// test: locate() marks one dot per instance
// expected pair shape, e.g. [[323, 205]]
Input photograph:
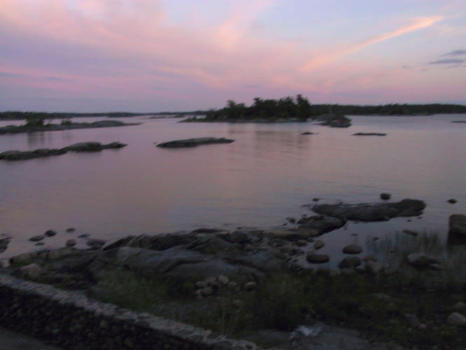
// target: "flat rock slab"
[[194, 142], [45, 152], [372, 211], [370, 134], [17, 129]]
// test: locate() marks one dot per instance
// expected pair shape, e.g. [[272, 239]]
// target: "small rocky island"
[[37, 124], [194, 142], [47, 152], [283, 110]]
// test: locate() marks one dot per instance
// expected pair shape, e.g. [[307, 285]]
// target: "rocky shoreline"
[[251, 273]]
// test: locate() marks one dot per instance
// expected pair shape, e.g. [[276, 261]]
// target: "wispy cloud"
[[456, 53], [418, 24], [449, 61]]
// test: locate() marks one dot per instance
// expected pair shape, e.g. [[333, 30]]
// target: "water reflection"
[[260, 179]]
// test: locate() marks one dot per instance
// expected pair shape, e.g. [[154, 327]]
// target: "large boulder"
[[372, 211], [194, 142], [457, 231], [176, 262]]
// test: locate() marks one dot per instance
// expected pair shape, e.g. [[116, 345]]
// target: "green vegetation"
[[377, 305], [300, 109], [267, 110]]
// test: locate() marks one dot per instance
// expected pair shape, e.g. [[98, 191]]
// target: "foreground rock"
[[4, 242], [370, 134], [372, 211], [457, 229], [423, 261], [16, 129], [352, 249], [45, 152], [194, 142]]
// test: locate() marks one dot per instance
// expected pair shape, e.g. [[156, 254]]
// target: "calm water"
[[266, 175]]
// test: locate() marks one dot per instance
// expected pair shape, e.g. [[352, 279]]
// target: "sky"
[[175, 55]]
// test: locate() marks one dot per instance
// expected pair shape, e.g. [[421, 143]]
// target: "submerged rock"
[[372, 211], [194, 142]]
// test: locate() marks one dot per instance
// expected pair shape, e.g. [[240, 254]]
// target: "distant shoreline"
[[352, 110]]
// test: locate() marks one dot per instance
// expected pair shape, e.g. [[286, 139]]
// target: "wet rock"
[[194, 142], [92, 146], [319, 244], [41, 153], [37, 238], [314, 258], [352, 249], [95, 243], [4, 242], [370, 134], [307, 133], [315, 199], [84, 235], [372, 211], [349, 262], [385, 196], [50, 233], [421, 260], [291, 220], [70, 229], [457, 319], [321, 224], [70, 243], [452, 201]]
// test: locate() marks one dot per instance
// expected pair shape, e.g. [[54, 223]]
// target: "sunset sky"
[[156, 55]]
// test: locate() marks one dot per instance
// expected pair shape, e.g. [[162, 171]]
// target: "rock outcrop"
[[371, 211], [194, 142], [45, 152]]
